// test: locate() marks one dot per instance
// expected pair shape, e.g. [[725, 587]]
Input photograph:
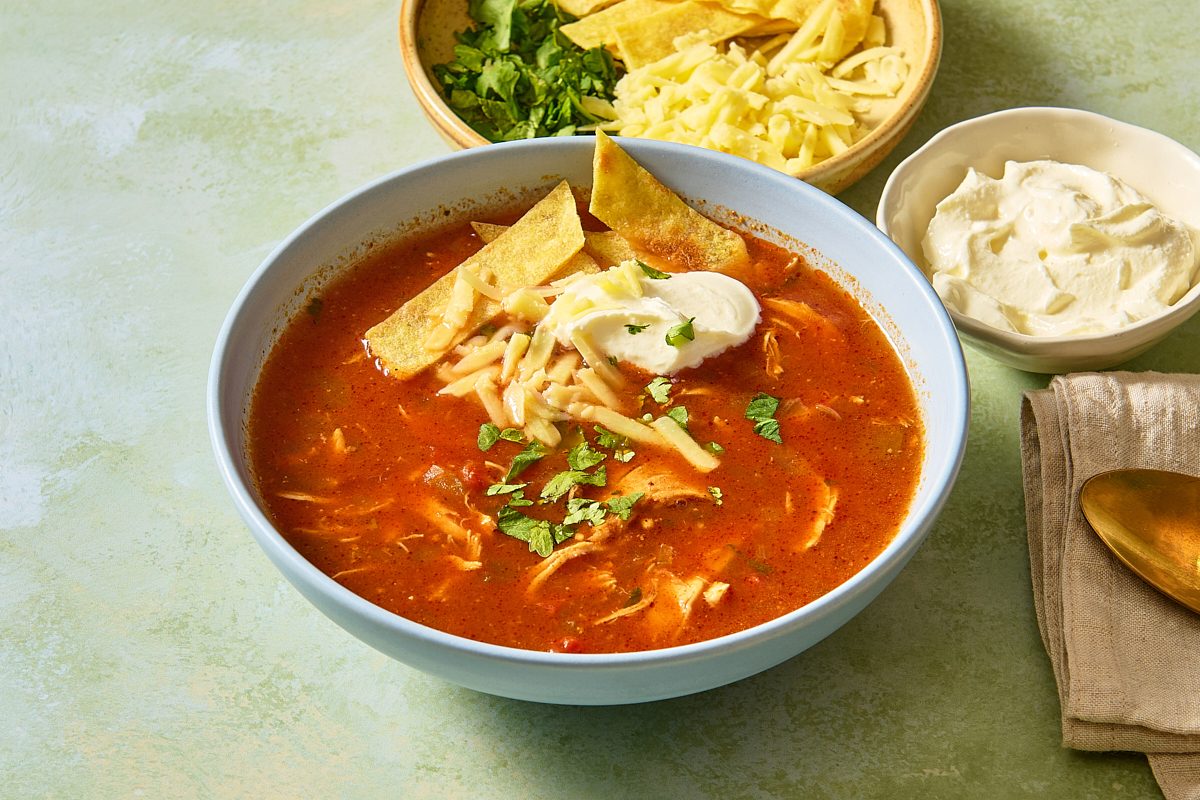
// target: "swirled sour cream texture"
[[626, 314], [1056, 249]]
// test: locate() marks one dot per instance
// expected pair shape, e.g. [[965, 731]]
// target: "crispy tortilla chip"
[[646, 40], [598, 30], [632, 202], [581, 8], [605, 247], [531, 252], [580, 262]]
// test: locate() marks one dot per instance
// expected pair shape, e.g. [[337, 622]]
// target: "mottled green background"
[[151, 154]]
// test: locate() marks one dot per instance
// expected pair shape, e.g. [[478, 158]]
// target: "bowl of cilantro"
[[500, 70]]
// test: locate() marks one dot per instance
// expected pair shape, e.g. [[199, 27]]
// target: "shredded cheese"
[[678, 438], [786, 103]]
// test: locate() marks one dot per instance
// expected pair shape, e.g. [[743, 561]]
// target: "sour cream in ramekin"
[[1055, 249]]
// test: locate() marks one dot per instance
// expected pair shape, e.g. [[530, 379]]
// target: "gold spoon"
[[1151, 520]]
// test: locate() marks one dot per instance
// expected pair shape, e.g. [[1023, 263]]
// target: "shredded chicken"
[[647, 599], [660, 486], [774, 359], [824, 516], [553, 562]]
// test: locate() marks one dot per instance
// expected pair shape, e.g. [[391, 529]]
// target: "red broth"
[[380, 483]]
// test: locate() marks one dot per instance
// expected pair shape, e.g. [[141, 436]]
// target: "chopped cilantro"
[[761, 411], [714, 448], [561, 483], [653, 273], [762, 405], [659, 389], [613, 360], [623, 506], [606, 438], [584, 456], [768, 429], [680, 415], [618, 444], [517, 498], [717, 495], [581, 509], [504, 488], [533, 452], [540, 534], [683, 332], [634, 330], [516, 76], [634, 597], [489, 434]]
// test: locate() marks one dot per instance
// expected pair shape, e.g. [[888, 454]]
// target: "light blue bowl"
[[847, 246]]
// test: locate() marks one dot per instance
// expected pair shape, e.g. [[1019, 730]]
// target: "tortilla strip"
[[597, 30], [606, 247], [632, 202], [531, 252], [646, 40], [582, 8]]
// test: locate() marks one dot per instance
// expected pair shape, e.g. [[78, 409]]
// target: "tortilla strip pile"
[[640, 32], [548, 242]]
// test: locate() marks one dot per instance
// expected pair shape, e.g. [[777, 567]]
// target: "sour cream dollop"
[[627, 314], [1056, 249]]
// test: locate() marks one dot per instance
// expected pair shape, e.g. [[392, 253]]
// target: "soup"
[[622, 509]]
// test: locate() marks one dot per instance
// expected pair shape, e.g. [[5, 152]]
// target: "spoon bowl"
[[1151, 520]]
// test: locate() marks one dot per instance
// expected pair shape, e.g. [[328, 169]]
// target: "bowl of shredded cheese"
[[818, 89]]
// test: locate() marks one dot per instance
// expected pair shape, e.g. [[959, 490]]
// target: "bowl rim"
[[455, 129], [1121, 338], [912, 533]]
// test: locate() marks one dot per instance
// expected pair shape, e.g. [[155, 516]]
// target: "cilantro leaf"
[[653, 273], [768, 429], [504, 488], [618, 444], [636, 329], [717, 495], [606, 438], [561, 483], [517, 499], [680, 415], [540, 534], [584, 456], [762, 406], [533, 452], [489, 434], [659, 389], [623, 506], [634, 597], [714, 448], [682, 333], [761, 410], [581, 509]]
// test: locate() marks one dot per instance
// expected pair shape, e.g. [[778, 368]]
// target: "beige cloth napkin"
[[1126, 659]]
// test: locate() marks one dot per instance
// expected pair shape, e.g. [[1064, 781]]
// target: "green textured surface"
[[150, 156]]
